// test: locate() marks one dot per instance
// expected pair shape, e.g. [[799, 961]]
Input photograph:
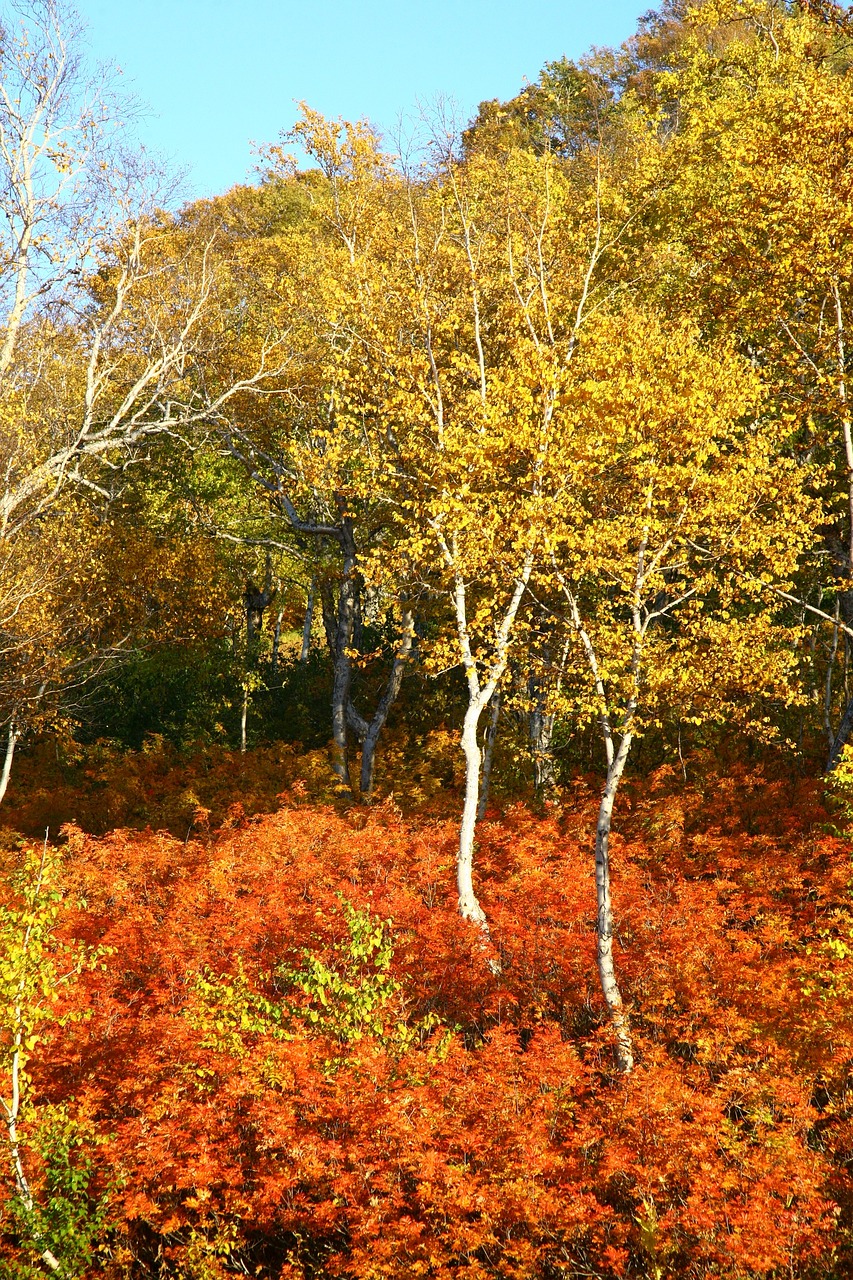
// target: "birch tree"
[[675, 498], [459, 312], [109, 310]]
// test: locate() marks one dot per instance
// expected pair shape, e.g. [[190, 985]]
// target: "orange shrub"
[[282, 1096]]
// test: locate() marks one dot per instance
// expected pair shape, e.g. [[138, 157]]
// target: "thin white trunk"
[[479, 697], [276, 643], [309, 620], [616, 760], [469, 905], [244, 717], [11, 743], [604, 918]]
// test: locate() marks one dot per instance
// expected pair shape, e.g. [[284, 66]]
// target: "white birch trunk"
[[469, 905], [11, 743], [479, 696], [616, 761], [309, 621], [604, 916]]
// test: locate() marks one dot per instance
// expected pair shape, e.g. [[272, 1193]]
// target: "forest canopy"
[[426, 605]]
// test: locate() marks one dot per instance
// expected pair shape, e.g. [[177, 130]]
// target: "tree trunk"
[[329, 611], [604, 917], [844, 731], [830, 669], [543, 688], [244, 717], [479, 696], [309, 620], [469, 906], [276, 642], [11, 742], [389, 696], [255, 602], [489, 755], [541, 737], [342, 678]]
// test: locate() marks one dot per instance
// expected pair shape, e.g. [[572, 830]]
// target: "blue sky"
[[216, 76]]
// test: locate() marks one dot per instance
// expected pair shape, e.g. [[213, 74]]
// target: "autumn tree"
[[107, 313], [460, 306], [526, 424], [306, 471], [674, 498], [753, 102]]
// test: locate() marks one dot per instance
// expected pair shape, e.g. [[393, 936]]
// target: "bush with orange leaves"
[[300, 1064]]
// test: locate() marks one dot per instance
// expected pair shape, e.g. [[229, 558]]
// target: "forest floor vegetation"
[[284, 1054]]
